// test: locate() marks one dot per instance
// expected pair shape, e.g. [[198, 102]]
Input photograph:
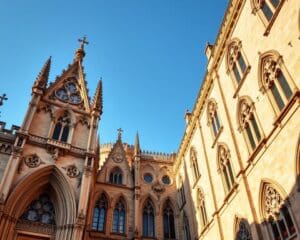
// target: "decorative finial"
[[137, 149], [2, 99], [120, 130], [79, 54], [83, 41]]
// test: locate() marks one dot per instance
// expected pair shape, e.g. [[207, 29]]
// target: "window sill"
[[239, 85], [217, 137], [196, 181], [295, 97], [119, 234], [257, 149], [231, 192]]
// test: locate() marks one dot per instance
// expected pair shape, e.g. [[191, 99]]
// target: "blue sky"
[[150, 54]]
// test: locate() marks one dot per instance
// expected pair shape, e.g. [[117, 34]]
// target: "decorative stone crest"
[[233, 53], [158, 188], [32, 161], [72, 171], [224, 156], [246, 114], [118, 155], [272, 202], [270, 71], [212, 108]]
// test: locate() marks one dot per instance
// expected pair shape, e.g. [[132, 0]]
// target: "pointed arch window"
[[194, 164], [280, 222], [168, 221], [148, 219], [62, 128], [119, 217], [267, 11], [248, 123], [275, 80], [186, 227], [225, 168], [116, 176], [243, 230], [100, 212], [202, 209], [181, 193], [41, 210], [213, 118], [237, 63]]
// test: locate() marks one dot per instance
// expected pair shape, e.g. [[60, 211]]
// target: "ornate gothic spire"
[[97, 102], [42, 78], [137, 149]]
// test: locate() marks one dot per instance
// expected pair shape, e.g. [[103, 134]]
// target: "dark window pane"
[[283, 229], [277, 97], [145, 224], [120, 179], [285, 86], [217, 121], [242, 63], [226, 179], [250, 137], [275, 3], [65, 133], [275, 231], [214, 127], [166, 226], [236, 74], [267, 11], [230, 173], [56, 131], [151, 225], [256, 130], [288, 220], [111, 178]]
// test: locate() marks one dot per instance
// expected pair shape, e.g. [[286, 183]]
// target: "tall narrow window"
[[277, 213], [181, 193], [148, 219], [119, 217], [61, 128], [225, 167], [202, 209], [213, 118], [194, 164], [168, 221], [275, 80], [186, 227], [243, 231], [236, 62], [100, 210], [248, 123], [116, 176]]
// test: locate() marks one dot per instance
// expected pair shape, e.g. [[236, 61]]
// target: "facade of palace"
[[236, 172]]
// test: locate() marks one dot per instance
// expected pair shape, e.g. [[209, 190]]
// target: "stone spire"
[[80, 53], [42, 78], [137, 149], [97, 102]]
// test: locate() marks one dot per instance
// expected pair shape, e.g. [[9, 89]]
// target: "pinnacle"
[[97, 102], [137, 149], [42, 78]]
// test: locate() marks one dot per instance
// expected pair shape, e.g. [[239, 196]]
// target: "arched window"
[[194, 164], [277, 213], [242, 231], [202, 208], [61, 128], [181, 192], [225, 167], [213, 118], [116, 176], [275, 79], [168, 221], [119, 217], [41, 210], [267, 11], [100, 211], [248, 123], [186, 227], [148, 219], [237, 64]]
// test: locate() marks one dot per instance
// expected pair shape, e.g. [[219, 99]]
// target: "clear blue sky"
[[150, 54]]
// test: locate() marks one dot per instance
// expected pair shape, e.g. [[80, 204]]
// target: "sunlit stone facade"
[[236, 172]]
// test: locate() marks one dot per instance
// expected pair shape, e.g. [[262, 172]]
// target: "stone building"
[[236, 172]]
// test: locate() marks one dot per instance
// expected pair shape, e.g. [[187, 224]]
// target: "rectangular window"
[[277, 97], [242, 63], [236, 73], [256, 130], [267, 11], [250, 137], [285, 86]]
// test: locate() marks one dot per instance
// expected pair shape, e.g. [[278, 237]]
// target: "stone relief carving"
[[246, 114], [272, 202], [32, 161], [72, 171], [270, 71]]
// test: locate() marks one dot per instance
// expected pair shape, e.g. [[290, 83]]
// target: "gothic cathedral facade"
[[236, 174]]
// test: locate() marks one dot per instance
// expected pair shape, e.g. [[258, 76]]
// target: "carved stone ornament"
[[212, 108], [32, 161], [233, 53], [224, 156], [272, 202], [118, 155], [270, 71], [72, 171], [158, 188], [246, 114]]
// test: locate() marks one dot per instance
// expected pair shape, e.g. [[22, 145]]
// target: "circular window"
[[148, 178], [166, 180]]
